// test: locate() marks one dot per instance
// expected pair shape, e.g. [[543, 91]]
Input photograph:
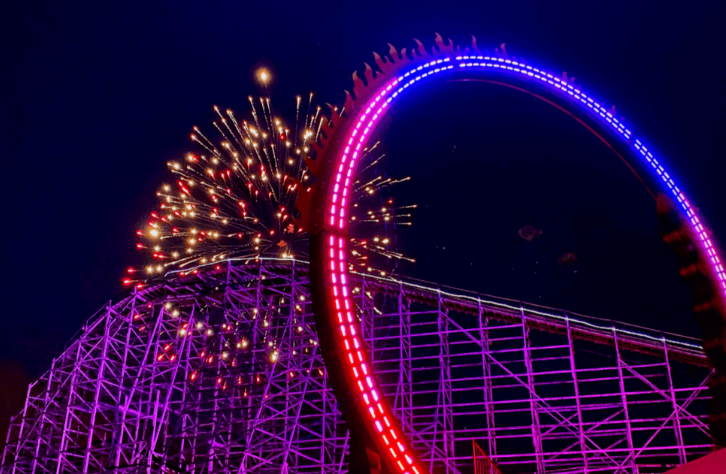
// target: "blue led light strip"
[[336, 226]]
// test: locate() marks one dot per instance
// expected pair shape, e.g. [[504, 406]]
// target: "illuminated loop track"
[[376, 434]]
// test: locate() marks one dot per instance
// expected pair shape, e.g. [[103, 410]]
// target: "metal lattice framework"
[[220, 371], [379, 441]]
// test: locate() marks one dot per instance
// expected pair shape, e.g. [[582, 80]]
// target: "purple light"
[[365, 123]]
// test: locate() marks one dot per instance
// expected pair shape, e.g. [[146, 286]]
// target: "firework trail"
[[235, 197]]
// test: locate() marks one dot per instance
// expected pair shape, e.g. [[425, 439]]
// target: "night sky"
[[98, 96]]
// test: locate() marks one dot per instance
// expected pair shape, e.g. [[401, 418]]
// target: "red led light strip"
[[383, 426]]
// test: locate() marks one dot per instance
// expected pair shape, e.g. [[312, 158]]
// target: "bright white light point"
[[264, 75]]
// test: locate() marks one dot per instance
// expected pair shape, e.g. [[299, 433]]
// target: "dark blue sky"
[[97, 96]]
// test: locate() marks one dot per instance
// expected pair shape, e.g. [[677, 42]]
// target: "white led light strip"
[[336, 223]]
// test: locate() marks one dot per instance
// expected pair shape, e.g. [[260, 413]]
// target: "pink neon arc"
[[336, 222]]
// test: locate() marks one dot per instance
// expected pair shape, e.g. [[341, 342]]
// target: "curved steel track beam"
[[377, 442]]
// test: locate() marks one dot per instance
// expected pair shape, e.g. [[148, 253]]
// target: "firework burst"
[[235, 197]]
